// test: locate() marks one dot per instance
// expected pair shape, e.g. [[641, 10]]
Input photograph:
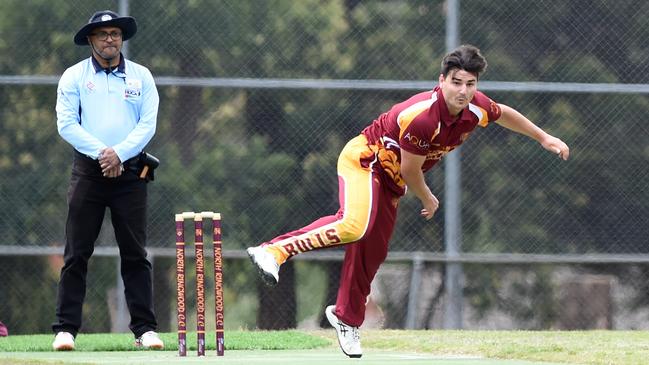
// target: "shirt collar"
[[121, 67]]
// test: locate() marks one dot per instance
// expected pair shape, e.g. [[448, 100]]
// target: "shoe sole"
[[154, 347], [266, 277], [64, 348], [333, 321]]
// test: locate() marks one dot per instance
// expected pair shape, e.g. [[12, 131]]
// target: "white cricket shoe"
[[149, 340], [266, 264], [349, 337], [64, 341]]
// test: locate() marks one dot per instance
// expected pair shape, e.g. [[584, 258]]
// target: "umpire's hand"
[[110, 164]]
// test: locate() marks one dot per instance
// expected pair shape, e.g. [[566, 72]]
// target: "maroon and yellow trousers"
[[364, 223]]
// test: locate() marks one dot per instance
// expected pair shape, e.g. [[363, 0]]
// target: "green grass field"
[[381, 347]]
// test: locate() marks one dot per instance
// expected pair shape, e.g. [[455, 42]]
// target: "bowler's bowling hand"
[[430, 207]]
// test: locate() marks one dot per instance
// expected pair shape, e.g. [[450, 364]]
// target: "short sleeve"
[[489, 108]]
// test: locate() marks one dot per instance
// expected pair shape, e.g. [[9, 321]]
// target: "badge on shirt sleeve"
[[133, 89]]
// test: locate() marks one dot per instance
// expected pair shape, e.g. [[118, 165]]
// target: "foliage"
[[265, 158]]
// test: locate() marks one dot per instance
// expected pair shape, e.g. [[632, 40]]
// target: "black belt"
[[141, 165]]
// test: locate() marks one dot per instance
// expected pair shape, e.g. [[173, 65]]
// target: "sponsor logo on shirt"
[[437, 154], [420, 143], [133, 88], [131, 93], [495, 109]]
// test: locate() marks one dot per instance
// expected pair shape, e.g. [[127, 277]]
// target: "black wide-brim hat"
[[106, 18]]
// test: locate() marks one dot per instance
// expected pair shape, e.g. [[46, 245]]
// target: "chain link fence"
[[257, 99]]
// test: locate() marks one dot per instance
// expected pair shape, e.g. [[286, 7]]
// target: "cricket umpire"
[[106, 110]]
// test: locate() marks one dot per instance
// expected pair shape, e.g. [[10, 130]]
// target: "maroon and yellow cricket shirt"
[[422, 125]]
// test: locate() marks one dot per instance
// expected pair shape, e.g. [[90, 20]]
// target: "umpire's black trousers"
[[89, 195]]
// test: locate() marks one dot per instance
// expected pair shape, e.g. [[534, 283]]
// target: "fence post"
[[452, 204], [415, 290], [122, 315]]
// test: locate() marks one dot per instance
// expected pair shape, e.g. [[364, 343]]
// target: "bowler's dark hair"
[[465, 57]]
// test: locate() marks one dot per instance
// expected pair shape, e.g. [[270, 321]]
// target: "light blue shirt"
[[96, 110]]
